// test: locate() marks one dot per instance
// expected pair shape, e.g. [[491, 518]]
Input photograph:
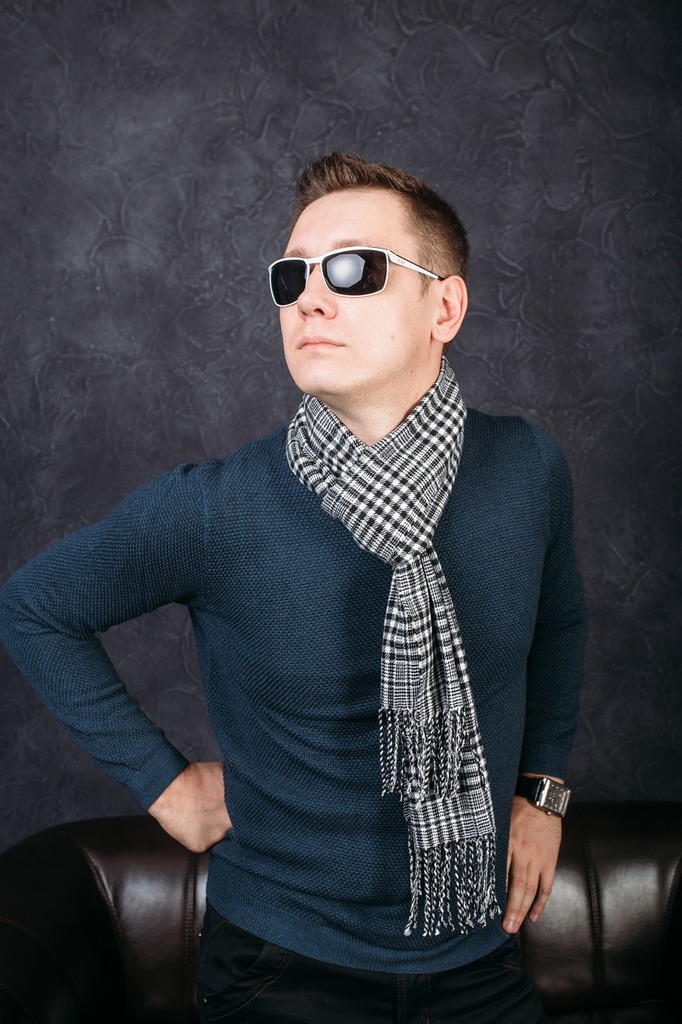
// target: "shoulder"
[[511, 431], [267, 454], [191, 490], [250, 462], [511, 441], [518, 460]]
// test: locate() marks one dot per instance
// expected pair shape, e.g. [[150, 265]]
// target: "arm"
[[554, 675], [147, 553]]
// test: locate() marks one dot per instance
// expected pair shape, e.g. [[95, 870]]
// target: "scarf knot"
[[390, 497]]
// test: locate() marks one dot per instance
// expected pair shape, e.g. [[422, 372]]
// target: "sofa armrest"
[[100, 920], [59, 959], [611, 935]]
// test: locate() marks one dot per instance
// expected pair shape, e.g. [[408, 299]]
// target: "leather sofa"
[[99, 923]]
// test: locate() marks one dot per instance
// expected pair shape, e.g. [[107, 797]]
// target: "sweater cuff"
[[149, 781], [544, 759]]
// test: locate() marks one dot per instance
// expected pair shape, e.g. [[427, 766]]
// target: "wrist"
[[168, 798]]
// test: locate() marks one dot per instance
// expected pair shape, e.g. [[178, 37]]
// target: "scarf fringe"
[[466, 869], [420, 758]]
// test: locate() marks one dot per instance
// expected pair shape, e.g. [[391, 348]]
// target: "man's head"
[[369, 352], [442, 239]]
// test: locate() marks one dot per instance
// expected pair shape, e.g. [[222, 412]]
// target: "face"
[[361, 352]]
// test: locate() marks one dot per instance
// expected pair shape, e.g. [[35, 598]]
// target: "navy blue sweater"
[[288, 615]]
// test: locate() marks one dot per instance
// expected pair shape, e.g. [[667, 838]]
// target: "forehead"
[[368, 215]]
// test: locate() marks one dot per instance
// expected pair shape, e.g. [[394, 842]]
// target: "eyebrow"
[[343, 243]]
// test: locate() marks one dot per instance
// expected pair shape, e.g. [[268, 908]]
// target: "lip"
[[317, 341]]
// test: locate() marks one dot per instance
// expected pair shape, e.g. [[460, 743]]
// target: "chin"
[[319, 380]]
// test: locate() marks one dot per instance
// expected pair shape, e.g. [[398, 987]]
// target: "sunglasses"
[[353, 271]]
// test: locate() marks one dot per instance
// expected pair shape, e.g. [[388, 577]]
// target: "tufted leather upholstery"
[[608, 949], [99, 923]]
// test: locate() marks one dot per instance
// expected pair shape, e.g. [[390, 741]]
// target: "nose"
[[316, 299]]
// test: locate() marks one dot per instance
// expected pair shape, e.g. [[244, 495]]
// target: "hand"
[[534, 840], [192, 809]]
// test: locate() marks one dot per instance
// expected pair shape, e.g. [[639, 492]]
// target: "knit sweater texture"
[[288, 617]]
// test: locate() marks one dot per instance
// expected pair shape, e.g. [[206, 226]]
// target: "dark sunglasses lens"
[[287, 279], [360, 272]]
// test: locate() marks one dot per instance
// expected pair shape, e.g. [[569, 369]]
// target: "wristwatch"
[[548, 795]]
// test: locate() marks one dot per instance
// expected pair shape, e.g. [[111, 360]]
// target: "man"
[[389, 624]]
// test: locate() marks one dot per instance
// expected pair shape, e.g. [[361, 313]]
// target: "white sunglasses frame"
[[392, 257]]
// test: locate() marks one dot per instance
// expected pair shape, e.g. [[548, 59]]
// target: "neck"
[[373, 420], [370, 426]]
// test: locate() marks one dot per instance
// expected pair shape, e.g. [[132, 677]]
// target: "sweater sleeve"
[[555, 662], [148, 552]]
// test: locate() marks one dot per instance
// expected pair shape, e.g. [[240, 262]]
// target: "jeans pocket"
[[235, 967], [507, 955]]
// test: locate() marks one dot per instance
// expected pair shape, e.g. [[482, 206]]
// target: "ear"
[[453, 300]]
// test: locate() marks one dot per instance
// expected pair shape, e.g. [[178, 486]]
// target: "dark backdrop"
[[146, 154]]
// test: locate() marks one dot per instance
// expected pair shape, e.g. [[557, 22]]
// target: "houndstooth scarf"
[[390, 496]]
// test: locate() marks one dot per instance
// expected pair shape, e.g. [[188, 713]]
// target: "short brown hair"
[[443, 242]]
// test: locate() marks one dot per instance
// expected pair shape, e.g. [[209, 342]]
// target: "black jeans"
[[245, 980]]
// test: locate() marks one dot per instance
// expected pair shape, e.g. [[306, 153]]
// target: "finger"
[[522, 892], [543, 893]]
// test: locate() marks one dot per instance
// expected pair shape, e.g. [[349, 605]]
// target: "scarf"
[[390, 496]]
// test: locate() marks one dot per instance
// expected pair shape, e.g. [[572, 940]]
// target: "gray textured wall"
[[146, 154]]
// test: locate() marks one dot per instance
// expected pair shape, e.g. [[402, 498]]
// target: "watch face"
[[553, 798], [549, 796]]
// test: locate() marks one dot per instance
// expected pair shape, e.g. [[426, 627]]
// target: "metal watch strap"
[[546, 794]]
